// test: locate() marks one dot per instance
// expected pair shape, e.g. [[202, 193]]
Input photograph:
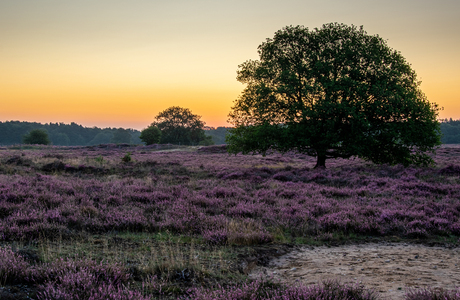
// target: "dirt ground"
[[389, 269]]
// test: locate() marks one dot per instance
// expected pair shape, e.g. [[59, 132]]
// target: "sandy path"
[[387, 268]]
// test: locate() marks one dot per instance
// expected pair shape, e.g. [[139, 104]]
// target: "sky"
[[113, 63]]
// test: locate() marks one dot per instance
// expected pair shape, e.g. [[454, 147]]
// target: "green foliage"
[[179, 126], [103, 137], [450, 130], [60, 134], [150, 135], [218, 134], [127, 158], [207, 141], [121, 136], [333, 92], [59, 138], [37, 136], [135, 136]]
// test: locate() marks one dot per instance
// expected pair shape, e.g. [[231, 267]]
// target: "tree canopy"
[[121, 136], [333, 92], [37, 136], [151, 135], [179, 126], [450, 130]]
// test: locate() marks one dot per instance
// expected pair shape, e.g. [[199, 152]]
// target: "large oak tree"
[[333, 92]]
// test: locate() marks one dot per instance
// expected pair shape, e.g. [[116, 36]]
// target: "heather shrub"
[[18, 161], [104, 272], [266, 290], [82, 279], [216, 236], [451, 170], [284, 176], [455, 228], [86, 284], [13, 268], [432, 294]]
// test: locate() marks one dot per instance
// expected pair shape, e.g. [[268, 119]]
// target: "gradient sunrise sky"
[[113, 63]]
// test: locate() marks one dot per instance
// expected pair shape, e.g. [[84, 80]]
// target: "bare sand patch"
[[389, 269]]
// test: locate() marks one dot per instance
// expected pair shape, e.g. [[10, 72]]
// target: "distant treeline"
[[72, 134], [60, 134], [217, 134], [450, 130]]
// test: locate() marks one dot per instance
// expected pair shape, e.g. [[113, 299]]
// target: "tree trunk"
[[321, 162]]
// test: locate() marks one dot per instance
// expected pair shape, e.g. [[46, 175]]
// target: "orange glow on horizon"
[[115, 108], [78, 61]]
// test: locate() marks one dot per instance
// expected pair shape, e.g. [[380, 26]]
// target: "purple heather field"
[[56, 193]]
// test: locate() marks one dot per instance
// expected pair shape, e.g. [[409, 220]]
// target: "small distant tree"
[[121, 136], [150, 135], [179, 126], [37, 136]]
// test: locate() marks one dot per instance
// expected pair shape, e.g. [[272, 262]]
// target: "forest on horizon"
[[60, 134]]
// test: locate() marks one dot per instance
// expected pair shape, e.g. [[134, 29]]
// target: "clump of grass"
[[170, 260], [159, 262], [241, 232], [99, 159], [247, 232]]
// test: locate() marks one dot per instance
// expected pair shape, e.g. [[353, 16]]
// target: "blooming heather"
[[56, 192], [196, 193]]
